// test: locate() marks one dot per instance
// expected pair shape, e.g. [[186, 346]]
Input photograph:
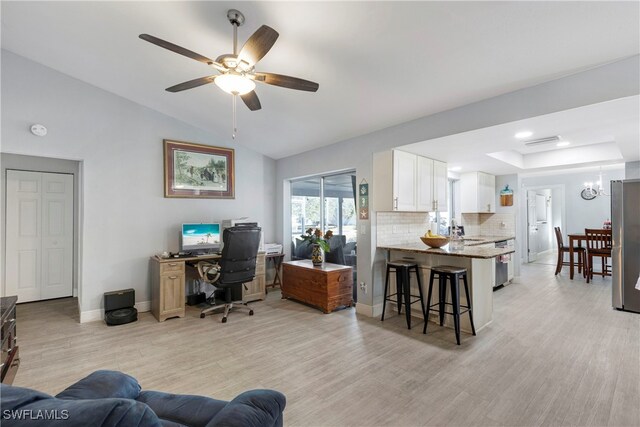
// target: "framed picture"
[[198, 171]]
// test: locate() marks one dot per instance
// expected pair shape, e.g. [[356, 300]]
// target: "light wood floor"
[[555, 354]]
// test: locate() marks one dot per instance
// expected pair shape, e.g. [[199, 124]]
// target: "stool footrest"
[[451, 313], [447, 303], [412, 302]]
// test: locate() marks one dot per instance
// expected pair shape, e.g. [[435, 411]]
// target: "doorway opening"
[[326, 202], [41, 243], [545, 211]]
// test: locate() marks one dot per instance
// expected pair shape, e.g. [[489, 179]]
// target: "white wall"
[[126, 218], [611, 81], [632, 170]]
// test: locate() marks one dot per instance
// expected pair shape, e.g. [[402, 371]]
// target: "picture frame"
[[198, 171]]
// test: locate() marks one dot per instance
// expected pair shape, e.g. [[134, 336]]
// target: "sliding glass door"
[[305, 205], [328, 203], [339, 206]]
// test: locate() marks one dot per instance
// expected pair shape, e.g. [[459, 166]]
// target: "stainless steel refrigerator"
[[625, 249]]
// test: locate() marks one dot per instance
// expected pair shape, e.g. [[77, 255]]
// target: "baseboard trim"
[[96, 315], [143, 306], [91, 315], [369, 310]]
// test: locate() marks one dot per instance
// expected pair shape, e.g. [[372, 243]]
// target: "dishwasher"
[[502, 265]]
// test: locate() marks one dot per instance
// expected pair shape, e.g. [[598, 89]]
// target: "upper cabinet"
[[478, 192], [407, 182]]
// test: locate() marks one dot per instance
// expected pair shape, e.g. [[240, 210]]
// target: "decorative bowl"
[[434, 242]]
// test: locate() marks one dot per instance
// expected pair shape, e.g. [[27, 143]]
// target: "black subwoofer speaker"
[[119, 307]]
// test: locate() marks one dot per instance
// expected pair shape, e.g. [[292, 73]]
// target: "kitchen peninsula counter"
[[469, 250], [479, 258]]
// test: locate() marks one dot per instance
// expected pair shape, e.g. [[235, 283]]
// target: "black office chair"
[[236, 267]]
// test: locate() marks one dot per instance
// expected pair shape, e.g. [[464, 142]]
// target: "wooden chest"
[[326, 287]]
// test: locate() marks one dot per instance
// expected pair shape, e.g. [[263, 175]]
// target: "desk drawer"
[[172, 267]]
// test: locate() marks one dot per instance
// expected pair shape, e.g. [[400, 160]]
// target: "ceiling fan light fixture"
[[235, 84]]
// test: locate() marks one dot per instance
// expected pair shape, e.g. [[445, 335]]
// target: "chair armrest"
[[254, 408], [102, 384], [182, 408]]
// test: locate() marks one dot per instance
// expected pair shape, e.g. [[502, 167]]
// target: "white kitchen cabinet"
[[404, 181], [440, 186], [408, 183], [424, 186], [478, 192]]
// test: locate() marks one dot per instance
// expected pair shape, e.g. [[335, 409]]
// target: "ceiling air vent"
[[547, 140]]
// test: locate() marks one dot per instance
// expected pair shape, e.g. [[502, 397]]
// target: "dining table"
[[575, 240]]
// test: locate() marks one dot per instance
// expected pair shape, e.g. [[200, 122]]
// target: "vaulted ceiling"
[[378, 63]]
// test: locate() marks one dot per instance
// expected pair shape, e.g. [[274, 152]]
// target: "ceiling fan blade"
[[258, 45], [181, 50], [251, 100], [191, 84], [287, 81]]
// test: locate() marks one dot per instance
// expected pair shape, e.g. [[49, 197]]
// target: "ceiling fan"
[[236, 72]]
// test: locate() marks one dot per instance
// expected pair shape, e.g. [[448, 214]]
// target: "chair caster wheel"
[[250, 312], [202, 315], [224, 320]]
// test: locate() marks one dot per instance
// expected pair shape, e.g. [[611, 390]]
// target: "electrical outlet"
[[363, 287]]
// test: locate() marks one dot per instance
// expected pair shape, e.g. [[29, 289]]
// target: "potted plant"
[[319, 243]]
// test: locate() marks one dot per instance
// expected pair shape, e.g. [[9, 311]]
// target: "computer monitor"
[[200, 238]]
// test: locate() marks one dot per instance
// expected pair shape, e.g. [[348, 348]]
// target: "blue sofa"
[[110, 398]]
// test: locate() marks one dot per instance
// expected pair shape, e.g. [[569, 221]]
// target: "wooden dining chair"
[[562, 249], [598, 245]]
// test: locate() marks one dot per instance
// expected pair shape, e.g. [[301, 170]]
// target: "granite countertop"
[[481, 240], [467, 252]]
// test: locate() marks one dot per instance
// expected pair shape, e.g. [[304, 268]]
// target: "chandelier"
[[597, 189]]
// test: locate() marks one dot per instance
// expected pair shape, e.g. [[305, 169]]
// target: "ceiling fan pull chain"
[[235, 129]]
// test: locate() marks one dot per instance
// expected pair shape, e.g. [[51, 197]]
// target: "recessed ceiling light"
[[563, 144], [455, 168], [523, 134]]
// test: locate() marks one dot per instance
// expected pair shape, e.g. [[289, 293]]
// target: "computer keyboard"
[[211, 254]]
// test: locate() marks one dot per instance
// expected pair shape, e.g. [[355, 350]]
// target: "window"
[[444, 218]]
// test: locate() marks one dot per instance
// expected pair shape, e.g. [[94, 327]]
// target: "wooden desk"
[[326, 287], [168, 284], [276, 259], [575, 240]]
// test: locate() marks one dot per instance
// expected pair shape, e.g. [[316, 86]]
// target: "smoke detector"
[[38, 130]]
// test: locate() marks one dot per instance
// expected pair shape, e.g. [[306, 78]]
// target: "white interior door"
[[532, 227], [39, 257]]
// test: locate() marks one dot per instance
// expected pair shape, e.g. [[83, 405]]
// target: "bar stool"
[[403, 288], [454, 274]]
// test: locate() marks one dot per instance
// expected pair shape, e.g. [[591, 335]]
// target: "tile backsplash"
[[486, 224], [397, 228]]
